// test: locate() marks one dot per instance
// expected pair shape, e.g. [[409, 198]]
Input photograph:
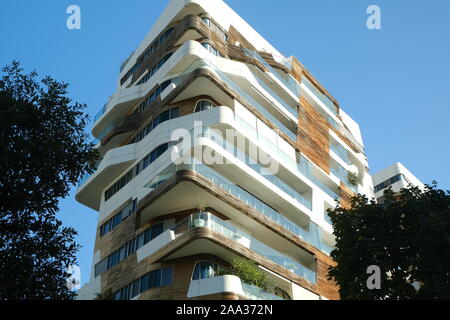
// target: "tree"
[[44, 150], [407, 237]]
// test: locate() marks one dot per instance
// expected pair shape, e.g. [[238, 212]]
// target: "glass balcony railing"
[[107, 130], [322, 97], [340, 152], [289, 82], [342, 174], [208, 220], [84, 178], [197, 64], [87, 175], [313, 236], [254, 165], [100, 113], [280, 100], [304, 167], [256, 293], [345, 132]]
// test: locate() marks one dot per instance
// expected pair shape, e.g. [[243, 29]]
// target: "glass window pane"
[[164, 116], [167, 276], [140, 240], [157, 278], [147, 235], [157, 230], [174, 113], [196, 274], [144, 283], [151, 280]]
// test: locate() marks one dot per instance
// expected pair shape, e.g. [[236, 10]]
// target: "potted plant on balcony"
[[352, 178], [248, 271], [199, 220]]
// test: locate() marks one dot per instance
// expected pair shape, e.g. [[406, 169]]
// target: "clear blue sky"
[[394, 82]]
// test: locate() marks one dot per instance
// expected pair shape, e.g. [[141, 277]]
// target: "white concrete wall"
[[391, 171], [154, 245]]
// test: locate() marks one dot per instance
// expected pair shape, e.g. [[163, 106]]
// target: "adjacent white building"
[[397, 177]]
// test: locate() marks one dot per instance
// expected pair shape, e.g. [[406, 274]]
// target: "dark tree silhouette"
[[44, 150], [407, 237]]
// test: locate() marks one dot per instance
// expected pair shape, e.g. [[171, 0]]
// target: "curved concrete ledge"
[[114, 161], [223, 284]]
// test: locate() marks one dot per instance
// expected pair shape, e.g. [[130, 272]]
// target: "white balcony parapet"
[[228, 284], [154, 245]]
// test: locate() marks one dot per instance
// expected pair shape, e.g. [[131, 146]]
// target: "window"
[[101, 267], [131, 247], [204, 105], [140, 240], [207, 21], [388, 182], [155, 279], [211, 49], [153, 70], [215, 28], [144, 283], [116, 187], [167, 276], [204, 269], [153, 97], [153, 232], [118, 218], [161, 118], [146, 55]]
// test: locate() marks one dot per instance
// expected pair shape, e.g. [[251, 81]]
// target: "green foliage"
[[44, 151], [408, 237], [107, 295], [352, 178], [247, 271]]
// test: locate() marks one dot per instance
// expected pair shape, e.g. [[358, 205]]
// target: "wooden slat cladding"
[[238, 54], [134, 121], [328, 288], [345, 194], [190, 22], [272, 62], [345, 139], [234, 36], [297, 70], [116, 238], [313, 135]]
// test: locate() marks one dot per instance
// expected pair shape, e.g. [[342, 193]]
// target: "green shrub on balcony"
[[352, 178], [247, 271]]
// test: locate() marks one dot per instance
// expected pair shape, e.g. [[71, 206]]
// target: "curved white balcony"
[[228, 284], [115, 161]]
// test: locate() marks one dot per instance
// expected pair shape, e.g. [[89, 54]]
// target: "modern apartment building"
[[215, 146], [397, 177]]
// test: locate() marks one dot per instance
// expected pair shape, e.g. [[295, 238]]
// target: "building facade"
[[396, 177], [215, 146]]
